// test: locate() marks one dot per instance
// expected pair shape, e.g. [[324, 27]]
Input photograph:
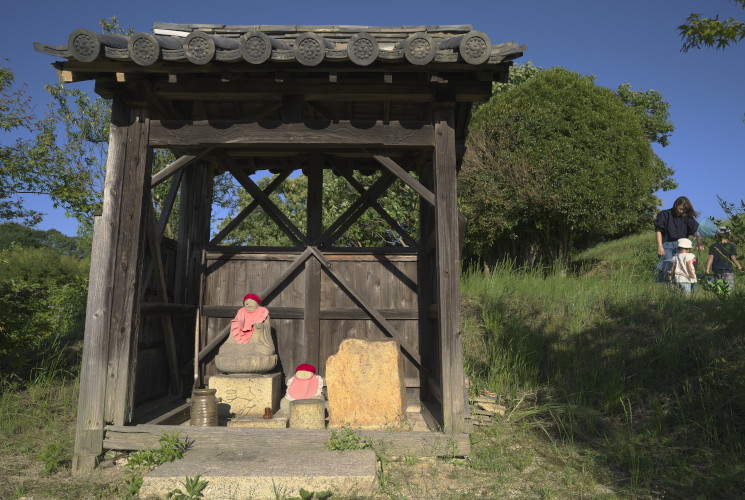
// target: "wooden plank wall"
[[388, 282], [151, 380]]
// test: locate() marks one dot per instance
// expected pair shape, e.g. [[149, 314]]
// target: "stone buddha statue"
[[249, 347]]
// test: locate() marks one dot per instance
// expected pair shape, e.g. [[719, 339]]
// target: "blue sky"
[[633, 41]]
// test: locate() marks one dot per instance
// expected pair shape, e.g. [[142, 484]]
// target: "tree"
[[553, 164], [15, 116], [699, 31]]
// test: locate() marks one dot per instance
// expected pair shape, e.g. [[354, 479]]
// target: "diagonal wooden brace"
[[374, 314]]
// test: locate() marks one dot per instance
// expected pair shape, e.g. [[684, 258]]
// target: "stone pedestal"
[[308, 414], [259, 422], [365, 383], [245, 395]]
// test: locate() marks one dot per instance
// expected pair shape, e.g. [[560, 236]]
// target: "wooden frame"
[[159, 307]]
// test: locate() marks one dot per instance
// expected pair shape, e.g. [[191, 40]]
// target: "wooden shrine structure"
[[238, 99]]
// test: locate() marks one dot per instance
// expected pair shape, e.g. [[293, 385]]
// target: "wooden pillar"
[[312, 321], [195, 214], [112, 312], [447, 255]]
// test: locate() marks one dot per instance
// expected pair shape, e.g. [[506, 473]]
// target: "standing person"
[[671, 225], [722, 255], [683, 273]]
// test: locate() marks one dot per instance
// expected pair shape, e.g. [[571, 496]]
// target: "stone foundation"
[[246, 395]]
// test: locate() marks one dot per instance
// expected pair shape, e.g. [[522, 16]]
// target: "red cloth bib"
[[303, 389], [244, 322]]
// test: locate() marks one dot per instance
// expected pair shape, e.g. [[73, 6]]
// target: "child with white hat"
[[683, 272]]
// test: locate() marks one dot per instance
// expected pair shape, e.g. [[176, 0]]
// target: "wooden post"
[[312, 321], [447, 255], [194, 233], [112, 312]]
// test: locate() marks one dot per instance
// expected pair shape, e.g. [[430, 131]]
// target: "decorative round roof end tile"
[[256, 47], [310, 49], [144, 49], [475, 47], [84, 45], [199, 47], [420, 49], [362, 49]]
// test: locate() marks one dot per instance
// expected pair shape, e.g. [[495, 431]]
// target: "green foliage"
[[720, 288], [370, 230], [311, 495], [600, 360], [699, 31], [52, 456], [172, 447], [14, 233], [193, 486], [553, 164], [347, 439], [15, 115], [43, 295], [735, 220]]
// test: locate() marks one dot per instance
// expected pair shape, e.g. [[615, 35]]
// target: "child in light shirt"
[[683, 272]]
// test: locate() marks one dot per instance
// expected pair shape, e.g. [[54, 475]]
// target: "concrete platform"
[[249, 475]]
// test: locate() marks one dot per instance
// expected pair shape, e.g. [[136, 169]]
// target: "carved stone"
[[246, 395], [365, 383], [256, 356]]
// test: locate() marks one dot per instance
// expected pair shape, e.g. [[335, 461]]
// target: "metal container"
[[203, 406]]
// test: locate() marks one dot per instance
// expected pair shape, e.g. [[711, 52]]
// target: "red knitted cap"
[[252, 296], [305, 367]]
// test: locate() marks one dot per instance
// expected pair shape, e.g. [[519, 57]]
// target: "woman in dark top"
[[671, 225]]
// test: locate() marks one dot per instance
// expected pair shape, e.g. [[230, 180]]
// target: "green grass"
[[607, 364]]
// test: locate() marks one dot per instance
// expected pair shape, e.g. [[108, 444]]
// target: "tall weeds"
[[610, 361]]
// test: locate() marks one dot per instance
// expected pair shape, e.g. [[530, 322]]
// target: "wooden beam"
[[177, 166], [284, 223], [308, 347], [129, 220], [165, 213], [405, 177], [278, 179], [166, 309], [278, 312], [397, 443], [454, 399], [411, 242], [162, 293], [356, 209], [90, 416], [378, 318], [345, 134]]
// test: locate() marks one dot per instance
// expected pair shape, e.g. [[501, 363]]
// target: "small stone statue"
[[304, 385], [249, 347]]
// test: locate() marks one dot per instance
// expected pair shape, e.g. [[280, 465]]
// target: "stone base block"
[[259, 422], [275, 472], [308, 414], [245, 395]]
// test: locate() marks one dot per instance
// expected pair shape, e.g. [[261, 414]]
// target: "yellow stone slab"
[[258, 422], [365, 382]]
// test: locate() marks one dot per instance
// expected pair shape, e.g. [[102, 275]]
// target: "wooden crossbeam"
[[374, 314], [411, 242], [342, 223], [165, 213], [265, 294], [177, 166], [284, 223], [250, 208], [320, 134], [406, 177]]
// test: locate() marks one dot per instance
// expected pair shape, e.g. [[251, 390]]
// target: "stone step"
[[272, 473]]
